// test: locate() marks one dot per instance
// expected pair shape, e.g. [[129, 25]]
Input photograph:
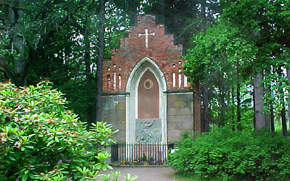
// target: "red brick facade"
[[159, 48]]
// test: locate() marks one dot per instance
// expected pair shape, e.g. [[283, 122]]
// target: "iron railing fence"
[[149, 152]]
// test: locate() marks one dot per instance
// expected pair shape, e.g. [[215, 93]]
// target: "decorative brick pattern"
[[155, 45]]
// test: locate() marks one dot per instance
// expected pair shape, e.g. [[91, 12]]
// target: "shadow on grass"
[[190, 177]]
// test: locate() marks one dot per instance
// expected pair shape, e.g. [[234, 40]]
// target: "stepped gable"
[[156, 45]]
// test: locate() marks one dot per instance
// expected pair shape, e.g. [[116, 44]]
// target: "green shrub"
[[227, 154], [40, 139]]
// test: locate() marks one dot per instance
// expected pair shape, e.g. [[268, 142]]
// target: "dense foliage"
[[241, 61], [225, 154], [40, 139], [219, 59], [58, 41]]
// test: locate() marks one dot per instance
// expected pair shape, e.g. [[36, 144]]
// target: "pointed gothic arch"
[[143, 66]]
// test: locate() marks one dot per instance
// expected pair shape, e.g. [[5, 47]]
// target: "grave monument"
[[145, 95]]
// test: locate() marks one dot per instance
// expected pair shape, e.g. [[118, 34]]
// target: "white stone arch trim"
[[132, 98], [160, 73]]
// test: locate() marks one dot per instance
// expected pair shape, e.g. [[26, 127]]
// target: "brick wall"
[[161, 50]]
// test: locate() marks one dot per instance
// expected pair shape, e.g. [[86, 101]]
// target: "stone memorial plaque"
[[148, 130]]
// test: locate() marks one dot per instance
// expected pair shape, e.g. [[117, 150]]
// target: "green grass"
[[188, 177], [192, 177]]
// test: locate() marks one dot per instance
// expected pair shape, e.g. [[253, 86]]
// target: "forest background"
[[237, 52]]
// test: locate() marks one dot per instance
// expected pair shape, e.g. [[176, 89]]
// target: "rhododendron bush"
[[40, 139]]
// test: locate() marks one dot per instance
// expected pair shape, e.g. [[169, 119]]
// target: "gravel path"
[[147, 173]]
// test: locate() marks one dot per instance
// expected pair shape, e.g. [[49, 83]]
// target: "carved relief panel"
[[148, 131]]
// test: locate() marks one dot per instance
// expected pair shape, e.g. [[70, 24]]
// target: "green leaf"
[[30, 147], [56, 139], [25, 177], [49, 143], [11, 158], [104, 167]]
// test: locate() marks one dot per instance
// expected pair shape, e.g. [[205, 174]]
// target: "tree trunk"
[[239, 127], [160, 17], [88, 72], [205, 123], [134, 13], [272, 117], [283, 119], [268, 113], [203, 23], [17, 46], [258, 102], [222, 109], [196, 108], [288, 77], [233, 108], [100, 62], [271, 107], [283, 110]]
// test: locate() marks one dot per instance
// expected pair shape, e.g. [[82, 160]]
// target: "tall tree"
[[101, 48], [264, 24], [205, 103], [182, 18], [258, 101], [33, 30], [239, 127], [132, 9], [216, 53], [83, 25], [288, 77]]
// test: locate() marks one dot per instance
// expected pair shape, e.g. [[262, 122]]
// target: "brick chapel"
[[145, 95]]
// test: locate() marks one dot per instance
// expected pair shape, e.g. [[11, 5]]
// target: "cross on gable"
[[146, 36]]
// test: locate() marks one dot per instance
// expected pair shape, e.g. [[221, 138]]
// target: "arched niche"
[[144, 67]]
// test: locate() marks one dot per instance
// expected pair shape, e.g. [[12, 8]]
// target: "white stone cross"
[[146, 36]]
